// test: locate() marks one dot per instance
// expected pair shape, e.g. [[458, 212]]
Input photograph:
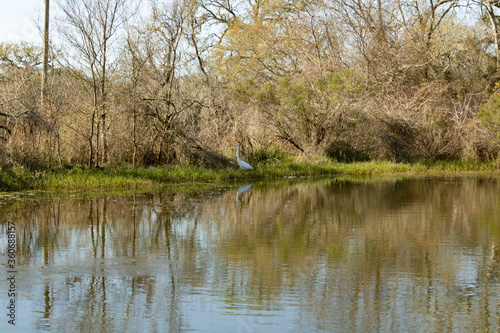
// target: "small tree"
[[309, 115], [490, 118], [90, 28]]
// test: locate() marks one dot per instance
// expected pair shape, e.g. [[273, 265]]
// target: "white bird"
[[242, 189], [244, 165]]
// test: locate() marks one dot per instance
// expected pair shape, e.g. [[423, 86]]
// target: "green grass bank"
[[77, 178]]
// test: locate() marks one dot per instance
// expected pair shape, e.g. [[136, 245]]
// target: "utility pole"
[[45, 52]]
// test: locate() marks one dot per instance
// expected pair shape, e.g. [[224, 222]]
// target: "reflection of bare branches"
[[339, 249]]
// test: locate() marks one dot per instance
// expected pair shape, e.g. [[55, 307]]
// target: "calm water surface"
[[297, 256]]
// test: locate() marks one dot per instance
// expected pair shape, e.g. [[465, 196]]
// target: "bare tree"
[[90, 27], [157, 54]]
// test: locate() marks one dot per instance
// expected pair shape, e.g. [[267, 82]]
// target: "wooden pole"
[[45, 52]]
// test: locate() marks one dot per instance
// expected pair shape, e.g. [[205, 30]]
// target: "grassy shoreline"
[[17, 178]]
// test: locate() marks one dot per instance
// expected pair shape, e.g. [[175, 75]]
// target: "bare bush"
[[425, 123]]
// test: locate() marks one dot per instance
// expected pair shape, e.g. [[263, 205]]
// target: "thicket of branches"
[[174, 81]]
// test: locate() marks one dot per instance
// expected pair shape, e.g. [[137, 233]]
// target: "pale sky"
[[18, 20]]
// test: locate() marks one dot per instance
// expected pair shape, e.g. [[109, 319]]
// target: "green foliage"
[[268, 154], [490, 117], [350, 80], [16, 177], [321, 84], [308, 113], [267, 92]]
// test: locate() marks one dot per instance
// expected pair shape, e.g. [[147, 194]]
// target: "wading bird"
[[242, 189], [244, 165]]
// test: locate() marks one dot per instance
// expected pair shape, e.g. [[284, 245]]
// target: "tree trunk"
[[45, 52], [494, 28]]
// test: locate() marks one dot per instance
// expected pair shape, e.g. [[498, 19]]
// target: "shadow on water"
[[298, 256]]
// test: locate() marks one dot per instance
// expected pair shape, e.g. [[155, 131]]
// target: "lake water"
[[398, 255]]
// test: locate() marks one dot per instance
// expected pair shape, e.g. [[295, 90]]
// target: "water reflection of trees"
[[347, 255]]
